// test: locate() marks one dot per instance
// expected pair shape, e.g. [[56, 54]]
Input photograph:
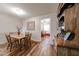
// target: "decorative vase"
[[18, 29], [18, 32]]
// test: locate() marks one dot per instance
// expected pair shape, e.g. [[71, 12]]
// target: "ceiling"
[[31, 9]]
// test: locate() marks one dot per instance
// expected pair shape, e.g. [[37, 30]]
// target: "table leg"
[[20, 44]]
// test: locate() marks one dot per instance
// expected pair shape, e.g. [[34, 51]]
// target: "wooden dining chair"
[[29, 41], [11, 42], [25, 41]]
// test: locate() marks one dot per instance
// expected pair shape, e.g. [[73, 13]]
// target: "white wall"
[[7, 24], [54, 26], [36, 34]]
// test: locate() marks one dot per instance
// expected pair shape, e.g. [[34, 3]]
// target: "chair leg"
[[30, 43], [25, 44], [16, 43], [10, 47]]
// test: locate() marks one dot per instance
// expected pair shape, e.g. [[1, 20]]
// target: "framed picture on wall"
[[31, 25]]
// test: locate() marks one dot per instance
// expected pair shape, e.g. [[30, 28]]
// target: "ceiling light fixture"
[[18, 11]]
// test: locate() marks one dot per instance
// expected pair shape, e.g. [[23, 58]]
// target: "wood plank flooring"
[[44, 49], [15, 51]]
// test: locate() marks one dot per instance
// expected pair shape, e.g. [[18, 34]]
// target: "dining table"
[[18, 37]]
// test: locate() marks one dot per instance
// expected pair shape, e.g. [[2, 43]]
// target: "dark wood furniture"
[[24, 40], [19, 38], [63, 7], [44, 33], [11, 42], [67, 48], [71, 23], [27, 40]]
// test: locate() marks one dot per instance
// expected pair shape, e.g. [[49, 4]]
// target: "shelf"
[[61, 21]]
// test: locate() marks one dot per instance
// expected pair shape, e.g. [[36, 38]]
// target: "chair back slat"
[[8, 38]]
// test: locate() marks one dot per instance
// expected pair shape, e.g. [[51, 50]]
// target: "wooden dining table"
[[19, 38]]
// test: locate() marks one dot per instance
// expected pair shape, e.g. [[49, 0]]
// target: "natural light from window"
[[45, 25]]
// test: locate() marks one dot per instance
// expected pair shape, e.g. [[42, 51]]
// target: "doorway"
[[45, 28]]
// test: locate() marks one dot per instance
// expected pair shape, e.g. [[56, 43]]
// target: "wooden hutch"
[[71, 23]]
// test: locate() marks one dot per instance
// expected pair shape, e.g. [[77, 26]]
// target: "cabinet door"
[[62, 51], [77, 22], [70, 17]]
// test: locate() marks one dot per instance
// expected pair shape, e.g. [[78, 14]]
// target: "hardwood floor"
[[44, 49], [15, 51]]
